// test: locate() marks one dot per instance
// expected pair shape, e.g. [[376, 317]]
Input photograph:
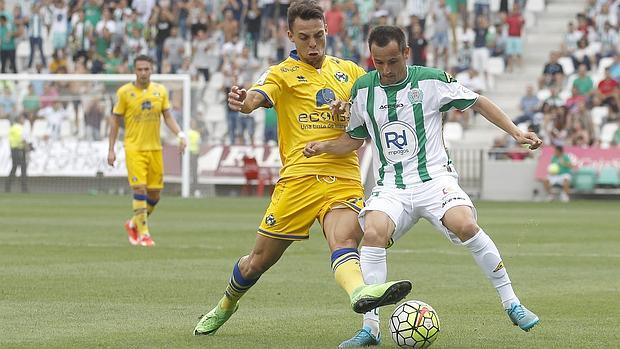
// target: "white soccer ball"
[[414, 324]]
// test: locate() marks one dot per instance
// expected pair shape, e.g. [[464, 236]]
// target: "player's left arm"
[[499, 118], [174, 127]]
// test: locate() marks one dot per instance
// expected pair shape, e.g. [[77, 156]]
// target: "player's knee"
[[466, 230], [375, 236]]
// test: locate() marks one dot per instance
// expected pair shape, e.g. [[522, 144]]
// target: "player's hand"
[[182, 144], [111, 158], [529, 138], [236, 96], [314, 149], [339, 107]]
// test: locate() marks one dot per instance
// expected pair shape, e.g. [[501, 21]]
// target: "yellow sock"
[[150, 205], [227, 303], [347, 270], [139, 213], [237, 287]]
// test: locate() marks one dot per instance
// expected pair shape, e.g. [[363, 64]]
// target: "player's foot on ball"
[[368, 297], [214, 319], [522, 317], [132, 233], [146, 240], [363, 338]]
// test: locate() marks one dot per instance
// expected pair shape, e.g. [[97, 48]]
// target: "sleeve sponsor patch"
[[263, 77]]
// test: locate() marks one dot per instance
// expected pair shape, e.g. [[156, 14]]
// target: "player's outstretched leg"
[[487, 257], [522, 316], [228, 305], [368, 297], [213, 320], [363, 338]]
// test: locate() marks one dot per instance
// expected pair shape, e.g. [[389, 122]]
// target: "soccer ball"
[[414, 324]]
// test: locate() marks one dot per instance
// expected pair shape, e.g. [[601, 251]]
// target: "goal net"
[[67, 119]]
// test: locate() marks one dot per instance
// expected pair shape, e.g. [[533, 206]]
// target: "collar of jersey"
[[294, 55], [396, 84]]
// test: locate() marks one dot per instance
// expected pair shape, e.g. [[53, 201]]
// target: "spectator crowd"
[[221, 43], [576, 100]]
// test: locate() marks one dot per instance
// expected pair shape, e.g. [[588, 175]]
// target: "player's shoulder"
[[158, 87], [427, 73], [343, 64], [367, 80], [128, 87]]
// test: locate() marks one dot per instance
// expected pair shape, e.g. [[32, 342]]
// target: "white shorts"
[[428, 200], [559, 179]]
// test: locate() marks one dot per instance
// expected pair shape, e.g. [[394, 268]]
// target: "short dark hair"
[[144, 58], [384, 34], [306, 10]]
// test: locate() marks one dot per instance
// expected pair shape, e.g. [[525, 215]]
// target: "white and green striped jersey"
[[405, 124]]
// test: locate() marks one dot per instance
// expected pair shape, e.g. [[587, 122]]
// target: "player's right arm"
[[246, 101], [117, 113], [114, 125]]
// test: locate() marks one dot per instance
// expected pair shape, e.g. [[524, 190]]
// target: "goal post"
[[78, 88]]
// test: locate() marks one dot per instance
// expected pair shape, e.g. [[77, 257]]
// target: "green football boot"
[[214, 319], [368, 297]]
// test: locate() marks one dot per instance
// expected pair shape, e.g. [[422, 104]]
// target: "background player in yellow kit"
[[141, 103], [301, 89]]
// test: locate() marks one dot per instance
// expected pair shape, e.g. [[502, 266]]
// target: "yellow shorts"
[[145, 168], [297, 202]]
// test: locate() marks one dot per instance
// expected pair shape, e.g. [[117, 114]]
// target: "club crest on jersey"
[[325, 96], [342, 77], [270, 220], [399, 141], [415, 95]]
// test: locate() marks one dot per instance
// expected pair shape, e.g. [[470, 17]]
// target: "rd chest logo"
[[399, 141]]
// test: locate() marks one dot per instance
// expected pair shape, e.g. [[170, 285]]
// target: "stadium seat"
[[567, 65], [604, 63], [5, 124], [535, 5], [598, 115], [608, 177], [495, 66], [39, 128], [584, 179], [607, 134]]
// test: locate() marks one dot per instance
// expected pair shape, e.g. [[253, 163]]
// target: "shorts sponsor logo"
[[270, 220], [399, 141], [449, 199]]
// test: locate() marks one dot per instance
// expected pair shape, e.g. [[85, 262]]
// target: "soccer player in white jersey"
[[399, 108]]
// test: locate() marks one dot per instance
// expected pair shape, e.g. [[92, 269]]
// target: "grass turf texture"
[[70, 279]]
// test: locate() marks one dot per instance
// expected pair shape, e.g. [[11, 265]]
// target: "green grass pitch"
[[70, 279]]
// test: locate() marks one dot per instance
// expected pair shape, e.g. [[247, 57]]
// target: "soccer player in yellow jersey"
[[141, 103], [308, 91]]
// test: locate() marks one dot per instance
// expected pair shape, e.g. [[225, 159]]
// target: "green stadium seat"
[[608, 178], [584, 179]]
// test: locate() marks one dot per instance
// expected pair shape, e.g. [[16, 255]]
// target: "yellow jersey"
[[142, 111], [301, 95]]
